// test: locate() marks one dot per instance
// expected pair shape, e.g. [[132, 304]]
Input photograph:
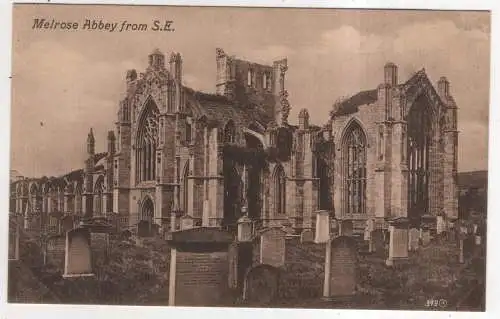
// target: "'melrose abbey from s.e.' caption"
[[388, 152], [101, 25]]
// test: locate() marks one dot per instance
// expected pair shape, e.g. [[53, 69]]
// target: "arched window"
[[279, 190], [185, 188], [78, 200], [98, 190], [419, 136], [147, 210], [230, 132], [354, 170], [146, 143]]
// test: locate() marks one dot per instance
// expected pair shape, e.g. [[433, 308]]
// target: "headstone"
[[205, 222], [413, 239], [199, 267], [398, 241], [78, 254], [322, 227], [56, 246], [272, 247], [346, 228], [67, 223], [261, 285], [187, 222], [307, 236], [425, 235], [144, 228], [441, 224], [341, 268], [370, 226], [14, 238], [377, 241], [244, 229], [334, 227]]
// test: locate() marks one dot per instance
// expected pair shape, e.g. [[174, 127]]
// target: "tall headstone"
[[322, 227], [187, 222], [199, 267], [346, 228], [398, 241], [205, 222], [272, 247], [261, 285], [370, 226], [425, 234], [441, 223], [244, 229], [413, 239], [377, 243], [78, 254], [67, 223], [341, 268]]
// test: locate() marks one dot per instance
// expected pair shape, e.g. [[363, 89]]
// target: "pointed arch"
[[420, 151], [98, 194], [147, 210], [229, 132], [185, 188], [279, 185], [353, 157], [146, 142]]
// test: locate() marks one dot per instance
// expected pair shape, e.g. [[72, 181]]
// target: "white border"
[[35, 311]]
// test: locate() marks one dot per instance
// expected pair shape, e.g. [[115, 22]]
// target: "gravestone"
[[187, 222], [334, 227], [441, 224], [261, 285], [78, 254], [56, 246], [144, 229], [398, 241], [413, 239], [14, 237], [272, 247], [307, 236], [370, 226], [341, 268], [425, 235], [346, 228], [67, 223], [322, 227], [377, 241], [244, 229], [199, 267]]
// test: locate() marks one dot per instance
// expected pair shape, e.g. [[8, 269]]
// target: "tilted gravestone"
[[78, 253], [261, 285], [67, 223], [341, 268], [307, 236], [272, 247], [413, 239], [199, 267]]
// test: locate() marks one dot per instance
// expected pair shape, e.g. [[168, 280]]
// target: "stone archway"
[[146, 218]]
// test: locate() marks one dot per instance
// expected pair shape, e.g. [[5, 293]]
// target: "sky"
[[64, 82]]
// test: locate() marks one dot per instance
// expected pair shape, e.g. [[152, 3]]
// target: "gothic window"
[[279, 191], [189, 130], [250, 77], [354, 170], [230, 132], [98, 191], [381, 143], [418, 139], [146, 144], [185, 188]]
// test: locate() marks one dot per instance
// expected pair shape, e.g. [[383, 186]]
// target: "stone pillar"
[[398, 241], [322, 234], [205, 221]]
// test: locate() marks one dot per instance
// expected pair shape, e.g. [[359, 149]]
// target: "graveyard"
[[338, 267]]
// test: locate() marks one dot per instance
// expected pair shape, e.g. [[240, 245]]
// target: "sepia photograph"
[[249, 157]]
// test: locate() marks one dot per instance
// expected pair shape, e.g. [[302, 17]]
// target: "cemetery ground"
[[134, 272]]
